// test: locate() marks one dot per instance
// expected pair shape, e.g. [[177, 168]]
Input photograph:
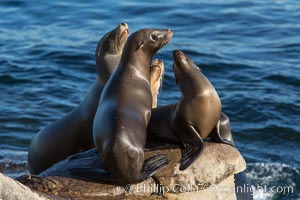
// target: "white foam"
[[276, 176], [13, 162], [260, 194]]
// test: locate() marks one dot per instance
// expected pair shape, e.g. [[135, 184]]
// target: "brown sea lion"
[[73, 133], [86, 165], [124, 110], [198, 110], [193, 118]]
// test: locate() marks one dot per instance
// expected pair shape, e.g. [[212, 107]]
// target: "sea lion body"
[[160, 134], [73, 132], [198, 109], [196, 116], [124, 109]]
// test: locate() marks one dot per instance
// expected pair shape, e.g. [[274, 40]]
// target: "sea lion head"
[[145, 43], [110, 47], [187, 74]]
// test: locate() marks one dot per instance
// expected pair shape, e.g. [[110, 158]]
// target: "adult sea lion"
[[198, 110], [73, 133], [88, 164], [124, 110], [193, 118]]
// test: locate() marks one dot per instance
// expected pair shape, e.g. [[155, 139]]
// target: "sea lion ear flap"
[[140, 45]]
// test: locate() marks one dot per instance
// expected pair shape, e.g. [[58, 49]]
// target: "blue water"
[[250, 50]]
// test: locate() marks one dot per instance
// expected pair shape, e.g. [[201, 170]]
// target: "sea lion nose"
[[124, 27], [124, 24], [176, 53]]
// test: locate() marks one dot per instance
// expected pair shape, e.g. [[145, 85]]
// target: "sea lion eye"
[[153, 37]]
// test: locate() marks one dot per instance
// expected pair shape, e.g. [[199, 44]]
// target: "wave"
[[283, 79], [13, 80], [13, 163], [276, 175]]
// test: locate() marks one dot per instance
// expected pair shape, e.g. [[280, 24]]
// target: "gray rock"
[[11, 189], [210, 177]]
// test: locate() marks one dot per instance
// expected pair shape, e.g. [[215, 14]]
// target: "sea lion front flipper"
[[93, 174], [153, 165], [192, 150], [88, 153], [216, 136]]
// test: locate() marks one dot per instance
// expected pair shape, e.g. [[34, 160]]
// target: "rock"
[[217, 162], [210, 177], [11, 189]]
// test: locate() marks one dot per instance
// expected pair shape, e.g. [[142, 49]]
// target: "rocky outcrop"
[[11, 189], [210, 177]]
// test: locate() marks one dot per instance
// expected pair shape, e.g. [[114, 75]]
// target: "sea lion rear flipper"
[[153, 165], [93, 174], [216, 136], [192, 151]]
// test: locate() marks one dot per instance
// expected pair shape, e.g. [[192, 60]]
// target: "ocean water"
[[249, 50]]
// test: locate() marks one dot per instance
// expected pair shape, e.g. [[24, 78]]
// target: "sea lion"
[[73, 133], [86, 165], [108, 53], [156, 79], [124, 110], [193, 118], [198, 110]]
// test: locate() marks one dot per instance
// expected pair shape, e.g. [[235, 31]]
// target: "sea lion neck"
[[135, 60], [191, 85], [187, 75], [109, 50], [142, 45]]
